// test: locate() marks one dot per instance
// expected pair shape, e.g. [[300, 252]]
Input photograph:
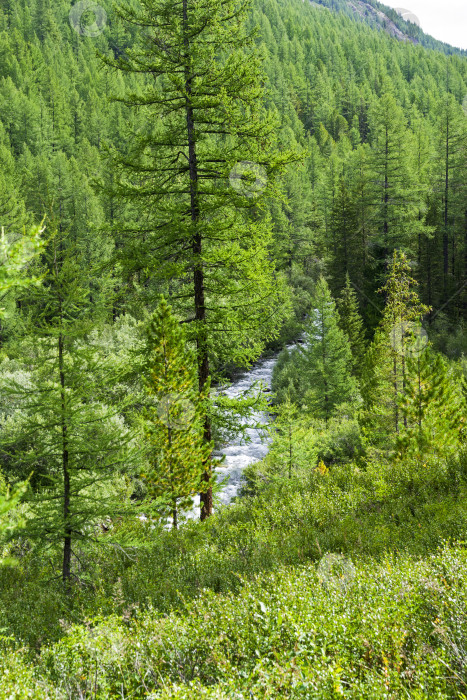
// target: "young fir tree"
[[57, 426], [196, 176], [434, 409], [326, 359], [399, 335], [173, 424], [285, 438], [351, 323]]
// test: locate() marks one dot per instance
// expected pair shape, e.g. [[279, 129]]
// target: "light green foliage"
[[10, 521], [285, 378], [364, 508], [58, 427], [15, 257], [399, 335], [286, 451], [303, 448], [174, 423], [284, 635], [434, 410]]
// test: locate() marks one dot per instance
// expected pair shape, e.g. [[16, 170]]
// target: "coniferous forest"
[[233, 348]]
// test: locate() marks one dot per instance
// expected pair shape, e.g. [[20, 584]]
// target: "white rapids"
[[239, 453]]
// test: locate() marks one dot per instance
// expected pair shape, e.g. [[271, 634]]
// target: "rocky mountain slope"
[[396, 22]]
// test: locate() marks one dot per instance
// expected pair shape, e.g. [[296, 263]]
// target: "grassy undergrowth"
[[239, 607], [392, 629], [359, 512]]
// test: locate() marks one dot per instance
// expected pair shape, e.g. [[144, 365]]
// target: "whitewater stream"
[[239, 453]]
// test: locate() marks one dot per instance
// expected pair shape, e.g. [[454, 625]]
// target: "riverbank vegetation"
[[183, 189]]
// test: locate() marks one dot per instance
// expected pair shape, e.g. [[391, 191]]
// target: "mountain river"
[[238, 453]]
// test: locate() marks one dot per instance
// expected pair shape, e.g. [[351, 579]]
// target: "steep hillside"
[[329, 78]]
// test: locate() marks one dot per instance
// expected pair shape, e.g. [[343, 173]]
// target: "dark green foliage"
[[351, 323], [334, 97]]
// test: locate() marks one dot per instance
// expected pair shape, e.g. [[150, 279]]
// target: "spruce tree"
[[173, 424], [326, 360], [351, 323], [197, 174]]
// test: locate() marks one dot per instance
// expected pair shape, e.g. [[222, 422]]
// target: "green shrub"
[[395, 629]]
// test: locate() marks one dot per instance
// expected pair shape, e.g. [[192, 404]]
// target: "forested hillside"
[[186, 188], [381, 121]]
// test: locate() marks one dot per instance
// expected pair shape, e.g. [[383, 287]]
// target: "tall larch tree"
[[452, 191], [197, 174], [395, 194]]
